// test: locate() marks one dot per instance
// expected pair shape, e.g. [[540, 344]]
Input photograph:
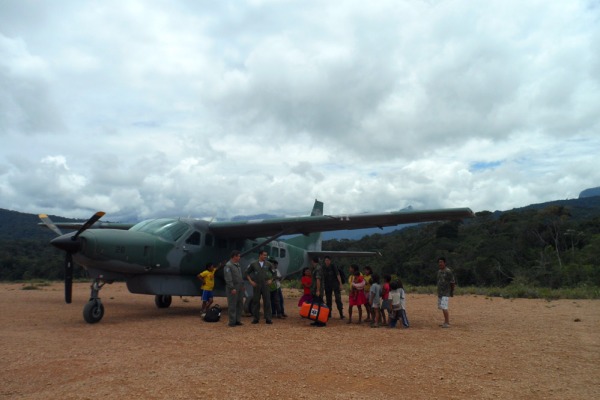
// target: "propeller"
[[89, 223], [68, 277], [46, 220], [70, 245]]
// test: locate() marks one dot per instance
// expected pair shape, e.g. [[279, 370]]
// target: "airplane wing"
[[324, 223], [97, 225]]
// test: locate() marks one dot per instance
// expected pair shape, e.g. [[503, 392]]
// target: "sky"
[[214, 109]]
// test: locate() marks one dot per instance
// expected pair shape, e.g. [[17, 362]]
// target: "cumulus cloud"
[[229, 108]]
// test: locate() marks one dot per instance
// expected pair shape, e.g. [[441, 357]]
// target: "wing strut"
[[268, 240]]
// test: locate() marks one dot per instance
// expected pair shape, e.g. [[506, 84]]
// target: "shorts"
[[385, 304], [443, 302], [207, 295]]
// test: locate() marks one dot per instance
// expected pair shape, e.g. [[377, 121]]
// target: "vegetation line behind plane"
[[513, 291]]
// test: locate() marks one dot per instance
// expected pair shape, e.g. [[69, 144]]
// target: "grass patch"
[[520, 291], [30, 287], [512, 291], [35, 284], [291, 284]]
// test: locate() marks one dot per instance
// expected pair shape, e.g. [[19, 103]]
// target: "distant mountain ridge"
[[16, 225], [591, 192]]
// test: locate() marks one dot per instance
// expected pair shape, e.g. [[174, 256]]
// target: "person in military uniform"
[[260, 277], [234, 286], [316, 287], [445, 289], [333, 283]]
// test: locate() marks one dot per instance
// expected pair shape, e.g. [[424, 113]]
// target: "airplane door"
[[191, 262]]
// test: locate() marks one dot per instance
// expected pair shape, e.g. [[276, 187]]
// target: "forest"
[[553, 245]]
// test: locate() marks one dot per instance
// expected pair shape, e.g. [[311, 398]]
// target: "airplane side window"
[[208, 239], [194, 239]]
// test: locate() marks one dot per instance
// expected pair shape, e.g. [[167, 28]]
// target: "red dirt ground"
[[496, 348]]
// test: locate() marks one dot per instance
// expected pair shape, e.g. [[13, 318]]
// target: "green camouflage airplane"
[[162, 257]]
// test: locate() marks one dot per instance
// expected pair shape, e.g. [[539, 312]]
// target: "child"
[[397, 296], [275, 289], [403, 304], [385, 294], [375, 300], [306, 281], [207, 277], [368, 279], [357, 292], [277, 295]]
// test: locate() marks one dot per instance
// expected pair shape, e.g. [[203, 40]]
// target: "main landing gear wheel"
[[93, 311], [162, 300]]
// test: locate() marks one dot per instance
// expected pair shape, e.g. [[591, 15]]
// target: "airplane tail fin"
[[317, 210], [312, 241]]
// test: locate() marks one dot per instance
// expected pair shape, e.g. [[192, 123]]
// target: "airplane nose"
[[66, 243]]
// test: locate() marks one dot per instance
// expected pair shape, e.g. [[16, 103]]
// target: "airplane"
[[163, 256]]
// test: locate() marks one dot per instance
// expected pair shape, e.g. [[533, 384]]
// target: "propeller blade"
[[68, 278], [48, 222], [89, 223]]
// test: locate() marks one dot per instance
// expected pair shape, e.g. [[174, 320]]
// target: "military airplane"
[[162, 257]]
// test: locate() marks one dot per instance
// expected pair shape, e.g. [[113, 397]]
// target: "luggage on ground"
[[315, 312]]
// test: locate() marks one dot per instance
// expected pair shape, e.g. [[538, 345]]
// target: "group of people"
[[384, 302], [265, 279]]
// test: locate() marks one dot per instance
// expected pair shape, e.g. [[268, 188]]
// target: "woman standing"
[[357, 292]]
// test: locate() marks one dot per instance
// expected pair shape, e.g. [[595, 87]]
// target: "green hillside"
[[555, 244], [25, 252]]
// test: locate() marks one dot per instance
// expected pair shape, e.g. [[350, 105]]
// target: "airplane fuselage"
[[164, 258]]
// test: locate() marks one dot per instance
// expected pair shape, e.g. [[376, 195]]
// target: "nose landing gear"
[[93, 311]]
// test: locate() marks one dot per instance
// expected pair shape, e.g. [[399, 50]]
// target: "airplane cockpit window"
[[282, 253], [194, 239], [274, 252], [166, 228]]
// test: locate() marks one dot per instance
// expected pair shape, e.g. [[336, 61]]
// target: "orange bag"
[[315, 312]]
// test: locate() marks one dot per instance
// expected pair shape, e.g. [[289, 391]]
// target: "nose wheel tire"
[[162, 301], [93, 311]]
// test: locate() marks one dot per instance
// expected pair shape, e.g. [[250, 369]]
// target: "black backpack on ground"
[[213, 314]]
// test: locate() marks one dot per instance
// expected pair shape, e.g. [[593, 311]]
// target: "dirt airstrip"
[[496, 348]]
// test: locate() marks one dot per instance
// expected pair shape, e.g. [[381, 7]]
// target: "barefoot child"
[[368, 279], [207, 277], [385, 298], [375, 301], [397, 296], [306, 281], [357, 292]]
